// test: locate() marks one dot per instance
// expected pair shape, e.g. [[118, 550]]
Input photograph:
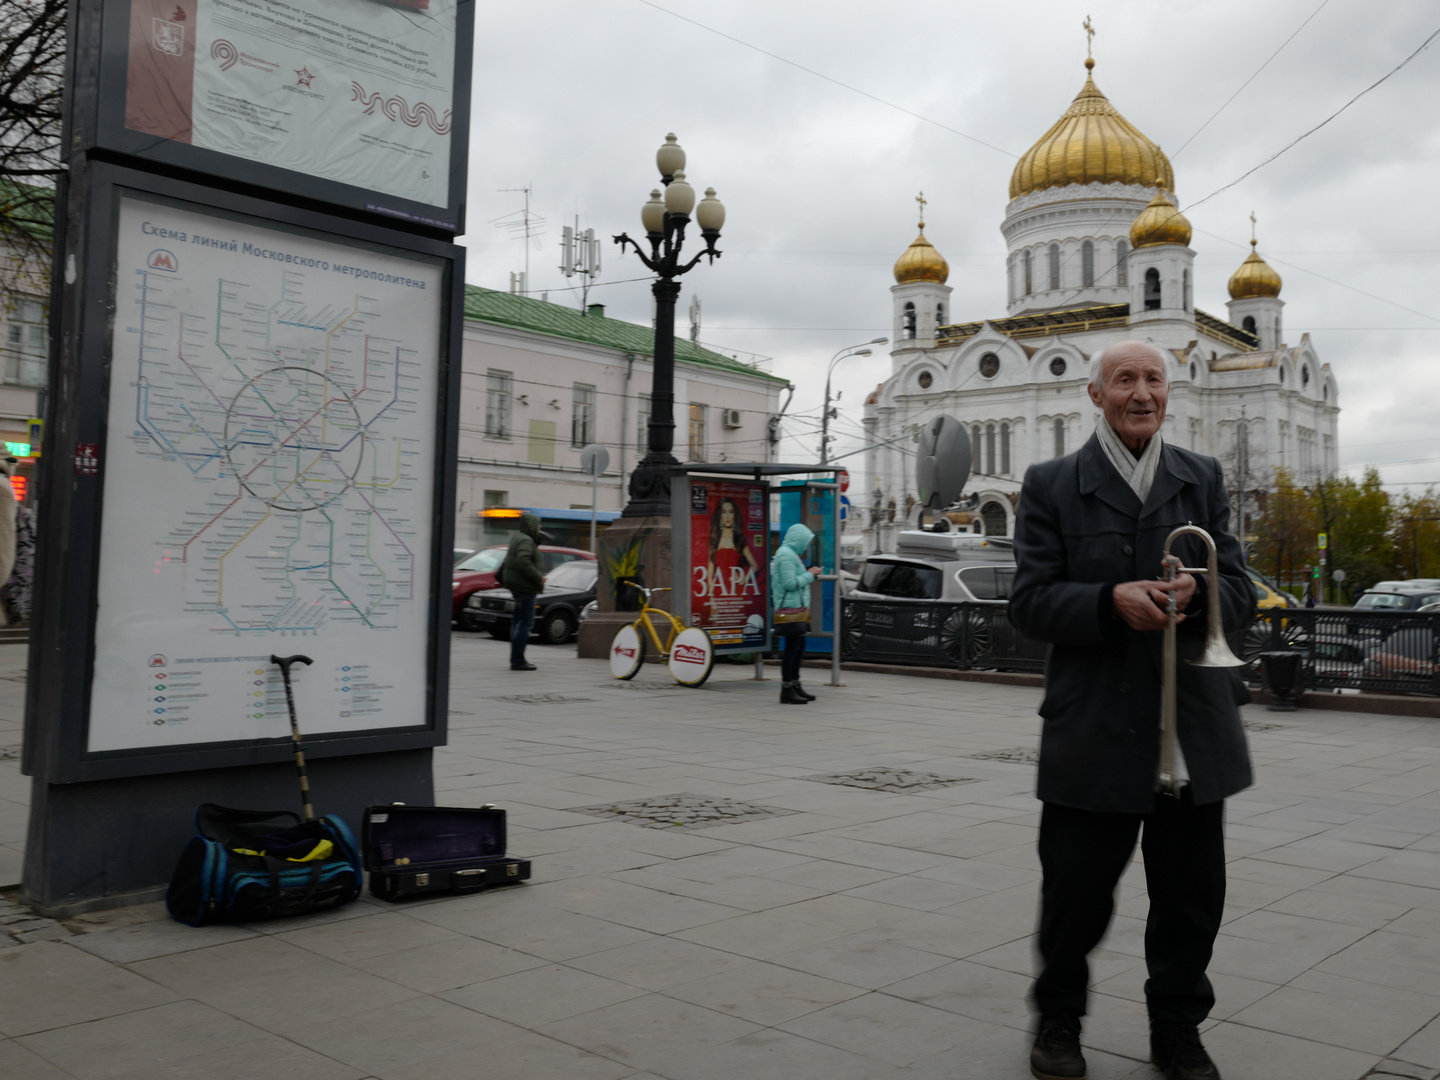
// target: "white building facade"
[[1098, 253], [541, 381]]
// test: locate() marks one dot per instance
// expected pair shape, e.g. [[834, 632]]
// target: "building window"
[[1057, 366], [1087, 264], [989, 365], [1060, 438], [496, 498], [907, 325], [1305, 375], [939, 316], [1122, 276], [990, 449], [1185, 287], [27, 342], [1004, 449], [582, 415], [697, 432], [642, 414], [1029, 276], [1249, 324], [1054, 266], [976, 449], [1152, 289], [497, 404], [993, 515], [925, 379]]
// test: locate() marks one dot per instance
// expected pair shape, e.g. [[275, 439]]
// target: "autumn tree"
[[1417, 534], [1285, 532], [1358, 519], [32, 75]]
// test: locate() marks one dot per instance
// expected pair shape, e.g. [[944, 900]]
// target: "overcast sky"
[[572, 98]]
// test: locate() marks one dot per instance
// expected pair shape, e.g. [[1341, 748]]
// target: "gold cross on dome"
[[1252, 228], [921, 200], [1089, 37]]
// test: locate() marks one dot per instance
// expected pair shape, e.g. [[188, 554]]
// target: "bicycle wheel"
[[692, 656], [627, 653]]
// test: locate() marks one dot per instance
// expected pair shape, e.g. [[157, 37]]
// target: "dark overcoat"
[[1080, 530]]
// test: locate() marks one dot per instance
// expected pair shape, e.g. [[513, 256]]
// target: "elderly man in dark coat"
[[1089, 535]]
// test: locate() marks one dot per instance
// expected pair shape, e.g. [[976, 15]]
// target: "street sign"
[[844, 480], [844, 507], [594, 460], [1324, 541], [1338, 575]]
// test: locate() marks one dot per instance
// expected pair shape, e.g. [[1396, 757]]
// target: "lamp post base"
[[650, 487]]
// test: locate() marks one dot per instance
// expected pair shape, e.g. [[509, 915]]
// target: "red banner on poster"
[[729, 560]]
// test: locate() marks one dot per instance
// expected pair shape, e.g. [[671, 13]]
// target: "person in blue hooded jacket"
[[790, 588]]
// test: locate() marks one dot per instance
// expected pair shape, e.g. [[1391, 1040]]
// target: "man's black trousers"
[[1082, 855]]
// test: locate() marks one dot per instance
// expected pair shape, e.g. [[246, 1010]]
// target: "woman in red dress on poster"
[[732, 563]]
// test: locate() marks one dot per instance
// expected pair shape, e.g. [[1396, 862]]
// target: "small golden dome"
[[1255, 277], [1160, 223], [1091, 144], [921, 262]]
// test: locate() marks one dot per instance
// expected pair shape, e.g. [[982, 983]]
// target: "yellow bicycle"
[[688, 650]]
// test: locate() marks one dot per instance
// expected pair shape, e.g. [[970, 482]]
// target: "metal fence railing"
[[1389, 652], [1386, 651], [933, 634]]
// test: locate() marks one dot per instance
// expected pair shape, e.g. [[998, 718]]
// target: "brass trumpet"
[[1217, 653]]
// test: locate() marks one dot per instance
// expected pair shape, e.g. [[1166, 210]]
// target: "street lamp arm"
[[650, 263], [710, 251]]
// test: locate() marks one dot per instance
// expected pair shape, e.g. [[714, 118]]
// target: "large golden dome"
[[921, 262], [1091, 144], [1160, 223], [1255, 277]]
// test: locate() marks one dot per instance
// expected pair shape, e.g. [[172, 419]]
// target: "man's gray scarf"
[[1139, 474]]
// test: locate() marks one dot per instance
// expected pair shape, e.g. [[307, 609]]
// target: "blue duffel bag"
[[262, 864]]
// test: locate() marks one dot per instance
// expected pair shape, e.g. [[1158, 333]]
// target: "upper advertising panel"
[[361, 103]]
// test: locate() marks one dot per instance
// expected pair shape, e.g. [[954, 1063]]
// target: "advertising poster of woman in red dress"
[[728, 562]]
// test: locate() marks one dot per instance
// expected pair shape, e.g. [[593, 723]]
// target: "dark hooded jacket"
[[522, 571], [1079, 531]]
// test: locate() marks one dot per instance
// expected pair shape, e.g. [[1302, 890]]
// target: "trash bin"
[[1280, 673]]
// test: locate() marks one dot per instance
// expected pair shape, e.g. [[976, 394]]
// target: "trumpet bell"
[[1217, 654]]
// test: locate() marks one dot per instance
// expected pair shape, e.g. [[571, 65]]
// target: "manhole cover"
[[891, 780], [1261, 725], [682, 811], [542, 699], [1019, 755]]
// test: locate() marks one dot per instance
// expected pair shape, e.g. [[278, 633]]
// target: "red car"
[[477, 573]]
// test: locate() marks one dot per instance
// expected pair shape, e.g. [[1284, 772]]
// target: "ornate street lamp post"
[[665, 217]]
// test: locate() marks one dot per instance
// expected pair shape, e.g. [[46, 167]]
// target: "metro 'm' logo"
[[160, 259], [690, 654]]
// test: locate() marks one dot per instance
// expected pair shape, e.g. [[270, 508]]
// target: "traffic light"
[[1315, 574]]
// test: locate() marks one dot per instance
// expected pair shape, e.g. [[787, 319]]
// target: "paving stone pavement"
[[879, 931]]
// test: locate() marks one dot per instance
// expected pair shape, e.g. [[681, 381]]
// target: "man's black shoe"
[[802, 692], [522, 666], [1176, 1051], [1056, 1053]]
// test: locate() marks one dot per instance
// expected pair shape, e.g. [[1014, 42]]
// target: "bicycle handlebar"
[[647, 592]]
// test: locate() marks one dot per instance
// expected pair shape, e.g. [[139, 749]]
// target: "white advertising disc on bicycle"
[[692, 655], [627, 653]]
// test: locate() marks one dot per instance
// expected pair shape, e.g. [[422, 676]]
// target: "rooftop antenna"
[[580, 254], [695, 318], [525, 225]]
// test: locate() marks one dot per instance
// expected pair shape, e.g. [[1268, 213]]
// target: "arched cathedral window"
[[1054, 266], [907, 325], [1060, 438], [1122, 277], [1004, 449], [1152, 289], [1087, 264], [1185, 278], [1029, 276], [1249, 324], [939, 316], [990, 449]]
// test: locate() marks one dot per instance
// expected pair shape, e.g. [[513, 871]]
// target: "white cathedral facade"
[[1098, 253]]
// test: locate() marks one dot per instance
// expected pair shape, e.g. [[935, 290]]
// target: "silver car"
[[949, 567]]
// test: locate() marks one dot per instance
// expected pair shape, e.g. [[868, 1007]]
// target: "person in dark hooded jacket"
[[524, 575]]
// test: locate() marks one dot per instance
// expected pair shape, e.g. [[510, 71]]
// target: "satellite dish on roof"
[[943, 463]]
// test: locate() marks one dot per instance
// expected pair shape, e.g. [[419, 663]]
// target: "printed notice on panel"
[[356, 91], [268, 484]]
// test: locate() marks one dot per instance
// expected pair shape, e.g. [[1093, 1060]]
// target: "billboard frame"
[[63, 647], [98, 122]]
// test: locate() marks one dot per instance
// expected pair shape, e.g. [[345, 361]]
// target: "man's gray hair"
[[1097, 366]]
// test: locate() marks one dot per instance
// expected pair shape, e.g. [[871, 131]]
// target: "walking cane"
[[284, 662]]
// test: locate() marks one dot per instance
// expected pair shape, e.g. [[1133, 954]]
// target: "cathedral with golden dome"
[[1098, 252]]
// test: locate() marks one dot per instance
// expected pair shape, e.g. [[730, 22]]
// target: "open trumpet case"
[[420, 850]]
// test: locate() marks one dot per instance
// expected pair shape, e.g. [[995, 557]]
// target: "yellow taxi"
[[1267, 595]]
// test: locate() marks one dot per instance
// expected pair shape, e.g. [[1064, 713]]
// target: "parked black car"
[[568, 588]]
